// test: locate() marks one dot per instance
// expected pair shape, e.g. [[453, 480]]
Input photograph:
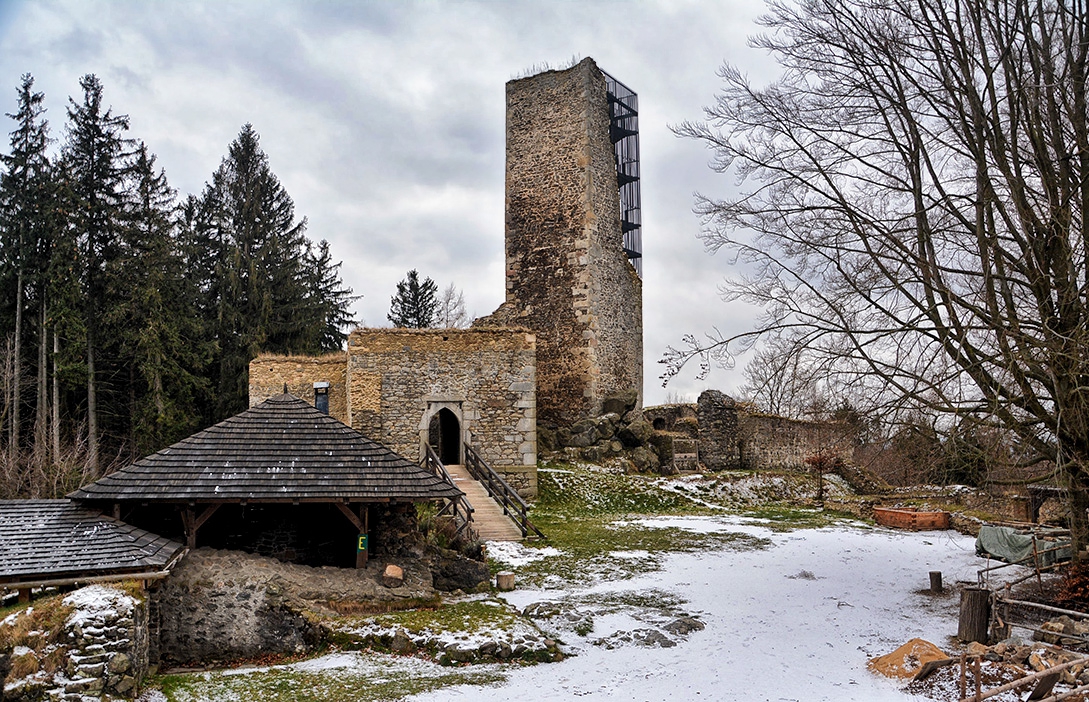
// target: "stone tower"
[[569, 276]]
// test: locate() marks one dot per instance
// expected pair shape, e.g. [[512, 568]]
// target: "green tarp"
[[1007, 544]]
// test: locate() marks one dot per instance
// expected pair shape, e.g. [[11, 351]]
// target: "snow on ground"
[[796, 621], [514, 554]]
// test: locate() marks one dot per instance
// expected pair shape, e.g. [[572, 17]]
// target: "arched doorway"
[[444, 435]]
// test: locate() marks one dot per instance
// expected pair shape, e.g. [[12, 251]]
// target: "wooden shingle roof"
[[282, 450], [57, 539]]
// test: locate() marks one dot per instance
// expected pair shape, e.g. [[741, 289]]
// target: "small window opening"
[[321, 397]]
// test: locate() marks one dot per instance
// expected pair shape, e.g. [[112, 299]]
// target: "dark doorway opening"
[[444, 435]]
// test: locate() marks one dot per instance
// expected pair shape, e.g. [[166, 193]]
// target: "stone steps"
[[489, 522]]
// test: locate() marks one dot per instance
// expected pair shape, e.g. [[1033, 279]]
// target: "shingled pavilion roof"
[[282, 450], [59, 541]]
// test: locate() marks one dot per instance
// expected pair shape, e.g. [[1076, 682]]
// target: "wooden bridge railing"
[[512, 503], [459, 507]]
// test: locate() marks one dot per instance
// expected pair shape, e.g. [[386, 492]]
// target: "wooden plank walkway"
[[488, 518]]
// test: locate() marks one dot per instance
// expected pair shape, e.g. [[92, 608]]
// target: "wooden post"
[[935, 581], [24, 595], [963, 680], [504, 581], [975, 614], [979, 678]]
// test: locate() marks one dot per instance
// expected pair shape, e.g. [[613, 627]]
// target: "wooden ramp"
[[489, 522]]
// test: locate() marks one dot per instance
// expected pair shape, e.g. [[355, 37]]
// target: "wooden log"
[[24, 595], [975, 614], [504, 581], [935, 581]]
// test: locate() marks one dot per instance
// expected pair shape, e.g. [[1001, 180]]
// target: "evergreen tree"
[[415, 303], [263, 286], [96, 154], [155, 316], [24, 221]]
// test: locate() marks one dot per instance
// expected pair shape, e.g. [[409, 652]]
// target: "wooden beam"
[[361, 555], [205, 515], [352, 516], [139, 575], [24, 595]]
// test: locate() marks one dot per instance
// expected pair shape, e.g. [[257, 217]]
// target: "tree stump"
[[975, 614], [504, 581], [935, 581]]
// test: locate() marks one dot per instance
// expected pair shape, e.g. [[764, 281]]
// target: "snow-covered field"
[[796, 621]]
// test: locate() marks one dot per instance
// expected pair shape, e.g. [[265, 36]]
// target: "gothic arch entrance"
[[443, 428]]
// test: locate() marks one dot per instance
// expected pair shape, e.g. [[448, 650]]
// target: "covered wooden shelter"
[[47, 543], [282, 451]]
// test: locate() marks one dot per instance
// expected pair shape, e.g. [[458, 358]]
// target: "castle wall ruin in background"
[[392, 383]]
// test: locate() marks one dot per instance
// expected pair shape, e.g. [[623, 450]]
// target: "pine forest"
[[129, 314]]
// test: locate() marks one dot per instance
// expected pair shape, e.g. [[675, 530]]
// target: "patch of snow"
[[637, 555], [10, 619], [515, 554], [855, 594], [21, 651], [94, 600]]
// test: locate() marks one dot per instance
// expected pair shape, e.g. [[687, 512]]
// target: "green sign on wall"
[[361, 544]]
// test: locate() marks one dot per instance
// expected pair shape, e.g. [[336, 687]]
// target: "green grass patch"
[[361, 678], [467, 616], [576, 491], [788, 518]]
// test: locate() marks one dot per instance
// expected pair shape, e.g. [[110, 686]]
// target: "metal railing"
[[459, 508], [512, 503]]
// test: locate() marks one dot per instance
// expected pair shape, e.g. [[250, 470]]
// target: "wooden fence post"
[[975, 614], [935, 581]]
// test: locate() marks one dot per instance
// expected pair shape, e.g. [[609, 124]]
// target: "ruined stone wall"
[[768, 442], [268, 373], [733, 437], [399, 378], [568, 279], [718, 434]]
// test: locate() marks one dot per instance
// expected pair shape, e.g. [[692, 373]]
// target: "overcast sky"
[[385, 122]]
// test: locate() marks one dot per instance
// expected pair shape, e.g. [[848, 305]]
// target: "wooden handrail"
[[512, 503], [464, 520]]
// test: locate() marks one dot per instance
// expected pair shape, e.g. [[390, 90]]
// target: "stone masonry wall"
[[771, 443], [568, 279], [268, 373], [732, 437], [102, 652], [718, 431], [486, 377]]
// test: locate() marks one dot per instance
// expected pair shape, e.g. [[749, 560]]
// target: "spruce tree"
[[96, 153], [415, 303], [264, 287], [24, 235], [155, 316]]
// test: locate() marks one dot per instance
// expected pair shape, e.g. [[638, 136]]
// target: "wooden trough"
[[910, 518]]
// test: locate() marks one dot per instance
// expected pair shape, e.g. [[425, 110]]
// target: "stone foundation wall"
[[485, 377]]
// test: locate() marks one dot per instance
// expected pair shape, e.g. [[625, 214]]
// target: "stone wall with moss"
[[568, 278]]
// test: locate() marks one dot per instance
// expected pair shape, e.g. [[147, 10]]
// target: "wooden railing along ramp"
[[511, 509], [461, 508]]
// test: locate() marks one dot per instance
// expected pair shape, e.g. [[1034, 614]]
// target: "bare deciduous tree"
[[450, 311], [915, 188]]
